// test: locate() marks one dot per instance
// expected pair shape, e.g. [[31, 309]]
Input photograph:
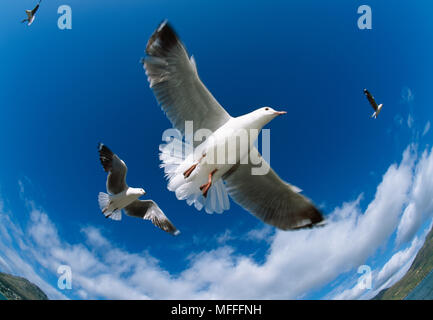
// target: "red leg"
[[205, 188], [188, 172]]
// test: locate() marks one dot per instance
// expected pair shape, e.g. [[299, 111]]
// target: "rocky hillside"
[[17, 288]]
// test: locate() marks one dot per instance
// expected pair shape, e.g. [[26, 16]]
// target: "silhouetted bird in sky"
[[31, 14], [373, 103]]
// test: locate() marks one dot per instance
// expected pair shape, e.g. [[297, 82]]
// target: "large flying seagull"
[[196, 176]]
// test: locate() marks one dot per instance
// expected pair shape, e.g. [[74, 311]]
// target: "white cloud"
[[264, 233], [295, 262], [95, 238], [420, 207], [225, 237], [399, 262], [410, 121], [426, 128], [14, 260], [407, 95], [398, 119], [392, 271]]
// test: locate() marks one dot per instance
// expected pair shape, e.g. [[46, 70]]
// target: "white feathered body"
[[123, 199], [111, 205], [221, 151]]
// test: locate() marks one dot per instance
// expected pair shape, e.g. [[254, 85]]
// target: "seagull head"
[[266, 114], [138, 191], [269, 112], [260, 117]]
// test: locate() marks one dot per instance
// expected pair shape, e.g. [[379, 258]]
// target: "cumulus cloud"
[[295, 262], [399, 263], [13, 258], [263, 233], [392, 271], [420, 206]]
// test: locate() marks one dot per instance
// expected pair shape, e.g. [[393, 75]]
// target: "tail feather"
[[219, 201], [213, 206], [104, 200], [114, 215], [173, 155]]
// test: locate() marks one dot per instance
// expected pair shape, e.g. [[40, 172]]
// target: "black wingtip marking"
[[315, 216], [166, 37], [105, 156], [104, 149]]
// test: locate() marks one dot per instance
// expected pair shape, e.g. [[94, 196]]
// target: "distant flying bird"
[[31, 14], [124, 197], [373, 103], [196, 177]]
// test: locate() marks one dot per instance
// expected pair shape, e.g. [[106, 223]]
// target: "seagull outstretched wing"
[[149, 210], [116, 168], [271, 199], [371, 99], [178, 88], [31, 14], [176, 84]]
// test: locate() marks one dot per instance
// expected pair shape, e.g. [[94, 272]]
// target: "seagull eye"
[[266, 109]]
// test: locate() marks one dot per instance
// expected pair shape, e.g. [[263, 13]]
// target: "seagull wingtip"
[[166, 35], [162, 25]]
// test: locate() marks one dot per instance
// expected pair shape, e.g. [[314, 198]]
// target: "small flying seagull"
[[373, 103], [196, 177], [31, 14], [121, 196]]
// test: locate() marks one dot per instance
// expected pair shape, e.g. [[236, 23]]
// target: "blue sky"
[[62, 90]]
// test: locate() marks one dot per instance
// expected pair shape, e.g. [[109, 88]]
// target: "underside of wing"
[[370, 99], [116, 168], [149, 210], [271, 199], [35, 9], [176, 85]]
